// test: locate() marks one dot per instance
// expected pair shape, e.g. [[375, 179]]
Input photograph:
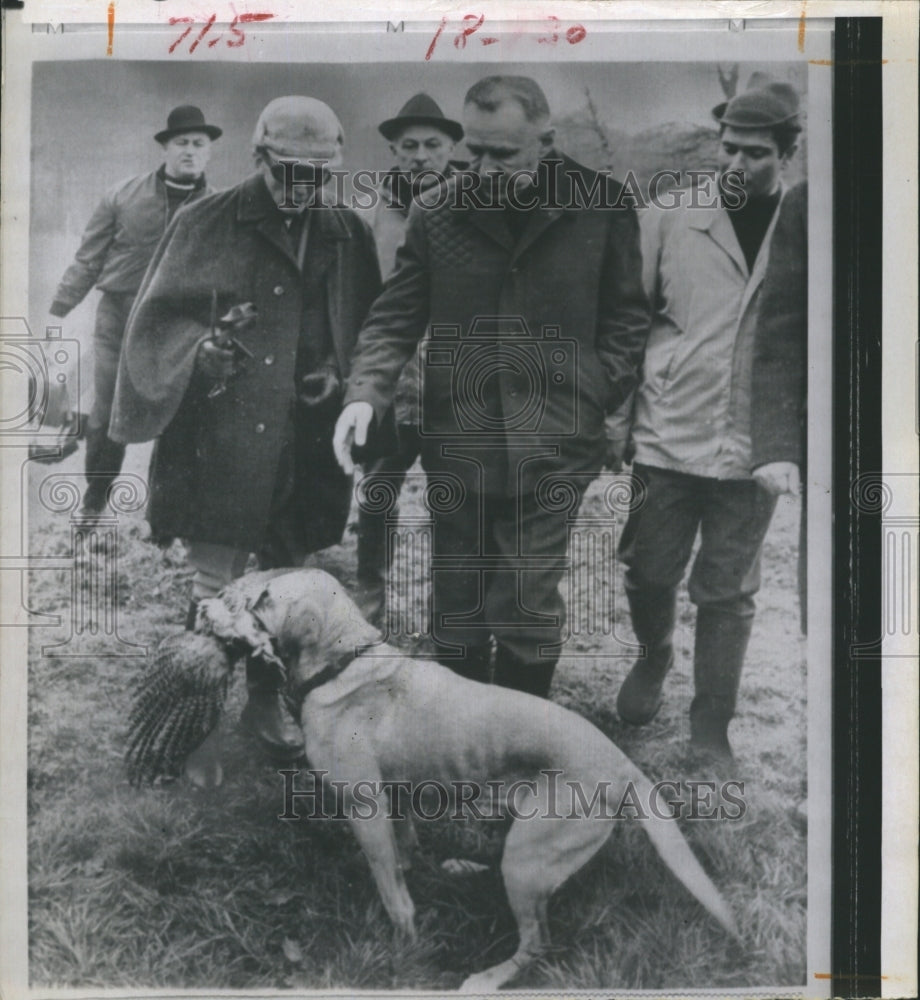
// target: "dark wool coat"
[[530, 342], [779, 376], [216, 460]]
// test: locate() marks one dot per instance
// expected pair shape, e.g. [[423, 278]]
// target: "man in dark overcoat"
[[243, 461], [779, 378], [537, 316]]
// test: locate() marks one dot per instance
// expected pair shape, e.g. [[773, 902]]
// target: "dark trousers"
[[103, 455], [731, 517], [389, 473], [498, 562]]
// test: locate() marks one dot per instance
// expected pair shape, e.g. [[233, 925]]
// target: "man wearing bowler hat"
[[703, 268], [234, 357], [114, 253], [422, 141]]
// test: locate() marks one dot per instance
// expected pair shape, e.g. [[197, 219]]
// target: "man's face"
[[753, 151], [305, 176], [422, 147], [187, 155], [504, 142]]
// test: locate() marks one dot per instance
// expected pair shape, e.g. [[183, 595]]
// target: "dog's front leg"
[[406, 841], [377, 838]]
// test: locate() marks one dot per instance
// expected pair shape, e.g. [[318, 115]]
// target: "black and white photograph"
[[418, 506]]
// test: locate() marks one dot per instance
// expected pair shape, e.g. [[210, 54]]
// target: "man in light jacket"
[[691, 431], [114, 253]]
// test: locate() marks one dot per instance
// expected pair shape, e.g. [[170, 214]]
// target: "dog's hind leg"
[[540, 854]]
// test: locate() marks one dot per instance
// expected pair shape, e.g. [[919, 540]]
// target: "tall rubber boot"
[[264, 716], [513, 672], [476, 664], [104, 458], [653, 614], [718, 657]]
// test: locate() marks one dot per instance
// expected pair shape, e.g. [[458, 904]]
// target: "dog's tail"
[[676, 854]]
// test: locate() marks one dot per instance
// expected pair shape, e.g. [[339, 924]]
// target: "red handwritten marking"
[[434, 41], [181, 20], [232, 43], [204, 31], [244, 19], [573, 35], [460, 40], [111, 13], [554, 37]]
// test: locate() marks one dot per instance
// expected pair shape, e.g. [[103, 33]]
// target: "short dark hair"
[[493, 91], [785, 135]]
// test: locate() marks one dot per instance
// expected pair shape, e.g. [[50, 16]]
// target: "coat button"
[[260, 428], [269, 359], [278, 290]]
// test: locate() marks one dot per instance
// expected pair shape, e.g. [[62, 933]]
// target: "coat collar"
[[255, 205], [714, 220], [556, 202]]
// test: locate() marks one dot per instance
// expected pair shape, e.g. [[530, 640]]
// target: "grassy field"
[[168, 887]]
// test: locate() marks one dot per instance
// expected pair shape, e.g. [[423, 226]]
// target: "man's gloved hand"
[[214, 362], [319, 386], [778, 477], [351, 430]]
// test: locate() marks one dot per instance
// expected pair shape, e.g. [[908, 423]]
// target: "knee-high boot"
[[653, 612], [718, 657]]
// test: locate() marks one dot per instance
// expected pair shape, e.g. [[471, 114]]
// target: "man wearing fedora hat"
[[243, 462], [422, 141], [691, 421], [116, 248]]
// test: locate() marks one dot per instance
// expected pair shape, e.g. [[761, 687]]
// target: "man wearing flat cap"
[[116, 248], [703, 268], [422, 141], [234, 357]]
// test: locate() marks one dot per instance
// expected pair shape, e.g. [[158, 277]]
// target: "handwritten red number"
[[244, 19], [181, 20], [434, 41], [575, 34], [203, 32], [460, 40]]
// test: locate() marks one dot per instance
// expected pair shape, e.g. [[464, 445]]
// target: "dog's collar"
[[296, 694]]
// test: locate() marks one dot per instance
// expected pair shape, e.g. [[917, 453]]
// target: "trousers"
[[104, 456]]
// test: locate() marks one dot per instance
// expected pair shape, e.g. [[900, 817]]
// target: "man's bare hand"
[[778, 477], [214, 362], [351, 429]]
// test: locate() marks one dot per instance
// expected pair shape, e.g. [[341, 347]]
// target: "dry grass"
[[166, 887]]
